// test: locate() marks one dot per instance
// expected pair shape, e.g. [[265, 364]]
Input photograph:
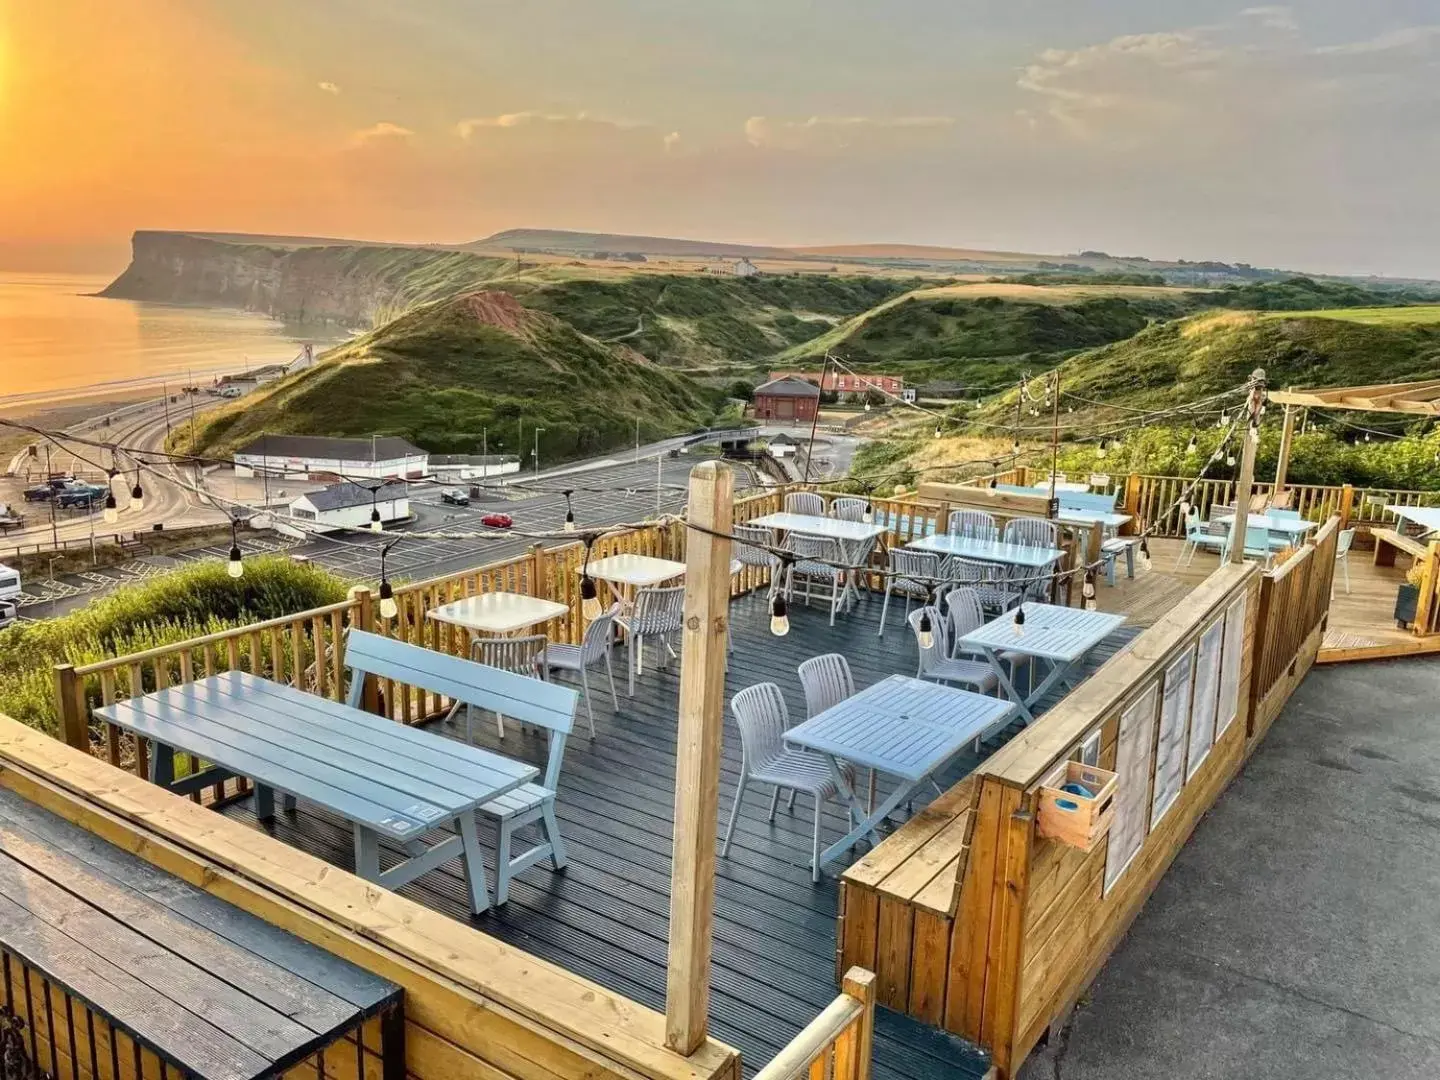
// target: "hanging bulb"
[[867, 406], [1015, 449], [994, 483], [1220, 420], [589, 598], [1019, 623], [236, 567], [1367, 436], [375, 525], [1087, 591], [137, 495], [1191, 446], [1144, 553], [569, 520], [388, 608], [937, 431], [1230, 459], [926, 637], [112, 512], [868, 517], [1101, 451], [1069, 408], [779, 620]]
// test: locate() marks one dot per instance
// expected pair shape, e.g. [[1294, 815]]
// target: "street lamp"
[[536, 452]]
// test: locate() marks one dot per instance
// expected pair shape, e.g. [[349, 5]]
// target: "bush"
[[190, 602]]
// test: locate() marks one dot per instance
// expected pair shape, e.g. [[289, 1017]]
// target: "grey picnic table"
[[903, 727], [1060, 636], [386, 779]]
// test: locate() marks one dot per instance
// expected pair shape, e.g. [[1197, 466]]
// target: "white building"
[[310, 456], [738, 268], [343, 506], [459, 468]]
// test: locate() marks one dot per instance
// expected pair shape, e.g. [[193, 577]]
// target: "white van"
[[9, 582]]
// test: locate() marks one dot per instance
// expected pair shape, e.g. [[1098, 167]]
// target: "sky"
[[1304, 135]]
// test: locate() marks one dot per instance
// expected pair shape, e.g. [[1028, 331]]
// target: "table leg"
[[162, 764], [367, 854], [902, 794], [1057, 672], [475, 863], [998, 666], [264, 803], [848, 794]]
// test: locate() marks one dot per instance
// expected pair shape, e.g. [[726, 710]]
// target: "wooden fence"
[[837, 1044]]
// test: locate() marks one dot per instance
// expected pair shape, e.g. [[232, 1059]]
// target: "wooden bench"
[[898, 905], [109, 960], [1389, 543], [530, 701]]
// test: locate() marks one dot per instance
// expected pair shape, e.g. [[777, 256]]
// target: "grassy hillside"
[[1306, 294], [440, 374]]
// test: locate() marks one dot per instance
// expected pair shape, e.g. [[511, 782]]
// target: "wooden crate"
[[1074, 819]]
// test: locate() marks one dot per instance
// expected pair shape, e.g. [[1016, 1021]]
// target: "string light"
[[112, 511], [1087, 591], [868, 515], [779, 619], [1019, 622], [375, 524], [1144, 559], [388, 608], [925, 635], [236, 567], [589, 595], [569, 513], [1101, 451], [1191, 446], [137, 493]]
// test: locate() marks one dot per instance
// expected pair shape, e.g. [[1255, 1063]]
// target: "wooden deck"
[[605, 916]]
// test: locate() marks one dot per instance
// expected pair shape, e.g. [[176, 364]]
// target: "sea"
[[60, 342]]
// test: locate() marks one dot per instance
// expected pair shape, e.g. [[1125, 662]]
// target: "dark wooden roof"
[[339, 496], [788, 387]]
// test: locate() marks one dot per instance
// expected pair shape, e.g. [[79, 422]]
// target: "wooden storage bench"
[[897, 905], [1389, 544]]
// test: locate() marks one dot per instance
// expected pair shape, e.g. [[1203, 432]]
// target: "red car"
[[497, 521]]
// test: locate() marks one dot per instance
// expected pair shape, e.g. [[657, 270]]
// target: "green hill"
[[441, 373]]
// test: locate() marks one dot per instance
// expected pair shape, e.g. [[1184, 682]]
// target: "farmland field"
[[1377, 316]]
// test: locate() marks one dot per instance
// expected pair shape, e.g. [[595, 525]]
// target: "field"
[[1378, 316], [1051, 294]]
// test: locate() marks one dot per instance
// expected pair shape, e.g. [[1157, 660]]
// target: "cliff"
[[352, 285]]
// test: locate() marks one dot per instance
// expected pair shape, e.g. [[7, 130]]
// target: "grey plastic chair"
[[657, 613], [761, 715], [935, 663], [965, 613], [988, 581], [1031, 532], [913, 573], [805, 502], [1342, 554], [750, 547], [593, 648], [975, 524], [818, 561], [522, 655], [849, 509]]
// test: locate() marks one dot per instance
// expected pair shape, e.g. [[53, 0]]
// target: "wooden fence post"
[[1429, 582], [1347, 506], [70, 705], [539, 586], [697, 764], [1287, 438], [860, 985], [1131, 504]]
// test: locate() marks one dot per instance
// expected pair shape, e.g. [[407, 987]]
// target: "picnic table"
[[903, 727], [1426, 517], [385, 778], [1060, 636], [853, 537], [1292, 528], [152, 963], [497, 613]]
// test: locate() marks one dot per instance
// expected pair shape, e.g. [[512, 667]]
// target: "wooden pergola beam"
[[1412, 397]]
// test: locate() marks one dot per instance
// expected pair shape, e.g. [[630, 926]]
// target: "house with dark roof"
[[305, 456], [350, 506], [787, 399]]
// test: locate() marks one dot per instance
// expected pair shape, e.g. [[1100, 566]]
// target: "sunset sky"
[[1304, 136]]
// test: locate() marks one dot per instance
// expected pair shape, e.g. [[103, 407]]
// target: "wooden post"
[[364, 619], [1287, 437], [1346, 507], [1245, 483], [538, 585], [70, 705], [1131, 504], [860, 1041], [1429, 582], [697, 765]]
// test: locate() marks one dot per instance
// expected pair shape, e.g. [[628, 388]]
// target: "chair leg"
[[1345, 562], [734, 813], [500, 724], [610, 674], [884, 609], [790, 802], [585, 689], [551, 826], [815, 843], [774, 801], [502, 864], [630, 662]]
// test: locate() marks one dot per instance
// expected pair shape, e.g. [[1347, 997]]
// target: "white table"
[[1073, 486], [1096, 523], [992, 551], [903, 727], [854, 538], [623, 574], [1427, 517], [498, 613], [1060, 636], [1292, 528]]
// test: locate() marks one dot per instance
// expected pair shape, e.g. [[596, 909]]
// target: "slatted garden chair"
[[827, 681], [818, 560], [761, 715], [1033, 532], [594, 647], [935, 663], [1198, 536], [975, 524], [988, 581], [533, 702], [805, 502], [657, 613], [752, 544], [521, 655], [1342, 554], [913, 574], [964, 612], [849, 509]]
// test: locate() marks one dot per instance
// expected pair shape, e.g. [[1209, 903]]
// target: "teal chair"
[[1197, 536], [1257, 545]]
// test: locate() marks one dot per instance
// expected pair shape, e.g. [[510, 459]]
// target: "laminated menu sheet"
[[1170, 741], [1229, 706], [1132, 796], [1207, 690]]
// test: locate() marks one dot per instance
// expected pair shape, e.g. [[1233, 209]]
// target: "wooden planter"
[[1075, 819], [1407, 599]]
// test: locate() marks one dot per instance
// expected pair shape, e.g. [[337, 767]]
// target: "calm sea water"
[[55, 340]]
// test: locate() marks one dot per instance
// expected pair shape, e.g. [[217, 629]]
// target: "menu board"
[[1132, 796], [1170, 743], [1207, 690], [1230, 665]]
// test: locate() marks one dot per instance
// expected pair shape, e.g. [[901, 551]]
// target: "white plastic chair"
[[965, 613], [522, 655], [657, 613], [848, 509], [805, 502], [761, 715], [913, 573], [988, 581], [935, 662], [1198, 536], [975, 524], [1342, 554], [818, 563], [1031, 532], [593, 647]]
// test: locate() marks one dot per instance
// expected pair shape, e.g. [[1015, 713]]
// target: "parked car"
[[81, 495], [9, 583], [9, 612], [497, 521], [42, 493], [455, 496]]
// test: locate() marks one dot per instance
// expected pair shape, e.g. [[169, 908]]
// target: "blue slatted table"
[[903, 727], [386, 779], [1060, 636]]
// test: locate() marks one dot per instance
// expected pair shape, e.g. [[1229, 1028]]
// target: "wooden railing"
[[837, 1044]]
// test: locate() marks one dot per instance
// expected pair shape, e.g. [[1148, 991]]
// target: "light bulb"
[[925, 636], [236, 567], [137, 497], [868, 517], [375, 525], [112, 514], [1144, 555], [589, 599], [388, 608], [1100, 452], [569, 520], [1190, 446], [1229, 459], [867, 406], [779, 620], [1019, 623], [1367, 436], [937, 432]]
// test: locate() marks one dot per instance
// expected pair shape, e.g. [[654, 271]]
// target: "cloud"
[[1272, 16], [534, 118], [671, 141], [329, 87], [1418, 39], [763, 130], [384, 130]]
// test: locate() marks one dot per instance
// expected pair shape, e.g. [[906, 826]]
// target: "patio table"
[[623, 574], [1427, 517], [1060, 636], [904, 727], [497, 613], [853, 537], [1292, 528]]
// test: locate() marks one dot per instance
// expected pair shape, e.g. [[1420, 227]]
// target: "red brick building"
[[787, 399], [842, 382]]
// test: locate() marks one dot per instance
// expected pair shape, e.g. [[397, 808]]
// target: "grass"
[[1380, 316]]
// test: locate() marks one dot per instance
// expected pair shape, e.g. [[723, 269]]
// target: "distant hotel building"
[[787, 399], [842, 382], [738, 268], [378, 457]]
